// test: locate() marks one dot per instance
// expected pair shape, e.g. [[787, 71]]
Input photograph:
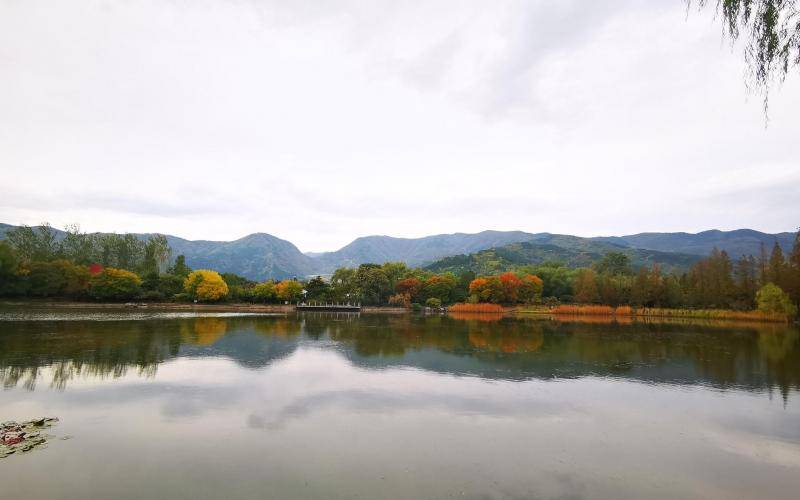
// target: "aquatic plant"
[[24, 436]]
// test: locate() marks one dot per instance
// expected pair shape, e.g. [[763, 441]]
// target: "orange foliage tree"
[[409, 286], [586, 290], [530, 290], [289, 290], [506, 288], [479, 287]]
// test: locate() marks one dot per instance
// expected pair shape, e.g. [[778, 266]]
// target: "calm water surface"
[[163, 406]]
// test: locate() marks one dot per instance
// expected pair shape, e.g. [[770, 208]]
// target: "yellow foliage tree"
[[289, 290], [205, 286]]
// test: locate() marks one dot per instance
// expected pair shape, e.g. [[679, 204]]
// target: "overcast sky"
[[320, 121]]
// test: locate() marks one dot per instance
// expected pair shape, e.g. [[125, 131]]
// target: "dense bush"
[[114, 284], [771, 299], [433, 303], [264, 292], [164, 285], [58, 278]]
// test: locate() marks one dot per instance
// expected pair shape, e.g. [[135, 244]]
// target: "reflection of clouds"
[[179, 400], [755, 447], [386, 401]]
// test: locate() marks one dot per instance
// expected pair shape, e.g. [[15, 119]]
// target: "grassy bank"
[[655, 312]]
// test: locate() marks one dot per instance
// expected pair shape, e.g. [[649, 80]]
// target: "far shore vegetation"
[[116, 268]]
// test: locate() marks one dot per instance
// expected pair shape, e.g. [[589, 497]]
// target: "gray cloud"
[[322, 121]]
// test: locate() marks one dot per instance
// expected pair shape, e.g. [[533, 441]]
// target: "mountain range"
[[260, 256]]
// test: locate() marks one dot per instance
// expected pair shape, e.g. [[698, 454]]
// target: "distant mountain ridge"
[[257, 256], [737, 242], [415, 251], [260, 256], [508, 257]]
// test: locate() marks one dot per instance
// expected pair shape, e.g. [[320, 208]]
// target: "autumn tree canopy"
[[205, 286]]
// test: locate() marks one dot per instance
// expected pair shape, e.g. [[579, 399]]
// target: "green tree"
[[776, 272], [460, 293], [55, 278], [317, 289], [794, 269], [614, 263], [156, 254], [122, 251], [711, 282], [180, 268], [8, 269], [640, 293], [771, 299], [656, 286], [265, 292], [343, 285], [556, 277], [433, 303], [170, 285], [129, 251], [373, 284], [439, 286], [615, 289], [77, 246], [746, 282], [763, 264], [43, 279], [673, 292], [395, 271], [34, 244]]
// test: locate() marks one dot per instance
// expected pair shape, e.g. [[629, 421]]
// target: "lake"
[[328, 406]]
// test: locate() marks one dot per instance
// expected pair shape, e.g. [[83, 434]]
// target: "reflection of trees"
[[203, 331], [765, 357], [278, 326], [486, 317], [779, 347], [72, 349], [754, 357], [514, 337]]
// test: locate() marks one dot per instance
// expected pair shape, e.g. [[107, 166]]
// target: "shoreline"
[[666, 314], [179, 306]]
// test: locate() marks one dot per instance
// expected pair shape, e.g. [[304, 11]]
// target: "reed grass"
[[712, 314], [658, 312], [476, 308], [594, 310]]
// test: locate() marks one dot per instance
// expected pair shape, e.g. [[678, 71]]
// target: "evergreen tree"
[[763, 264], [745, 275], [776, 273], [794, 270], [640, 293]]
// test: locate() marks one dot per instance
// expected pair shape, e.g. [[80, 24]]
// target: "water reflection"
[[751, 357]]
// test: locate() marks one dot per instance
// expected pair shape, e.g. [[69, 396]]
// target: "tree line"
[[34, 263]]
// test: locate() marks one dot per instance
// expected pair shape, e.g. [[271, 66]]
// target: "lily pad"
[[24, 436]]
